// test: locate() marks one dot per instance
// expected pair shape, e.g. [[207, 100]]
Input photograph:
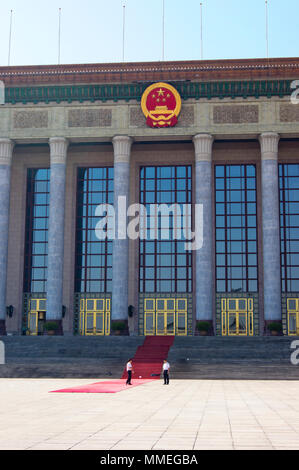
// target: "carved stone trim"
[[90, 118], [122, 148], [269, 145], [236, 114], [58, 149], [6, 150], [30, 119], [289, 113], [185, 118], [203, 144]]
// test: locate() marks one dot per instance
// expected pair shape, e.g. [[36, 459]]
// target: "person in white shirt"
[[129, 370], [166, 368]]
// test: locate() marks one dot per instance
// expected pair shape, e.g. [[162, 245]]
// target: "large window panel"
[[36, 231], [236, 228], [289, 226], [93, 271], [165, 265]]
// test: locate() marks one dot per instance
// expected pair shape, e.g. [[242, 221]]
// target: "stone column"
[[271, 226], [6, 150], [204, 256], [120, 260], [58, 156]]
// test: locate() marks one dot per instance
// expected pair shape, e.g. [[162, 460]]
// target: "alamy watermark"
[[2, 92], [2, 353], [295, 94], [295, 355], [151, 222]]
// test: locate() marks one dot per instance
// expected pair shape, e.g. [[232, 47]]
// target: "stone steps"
[[89, 347], [190, 357]]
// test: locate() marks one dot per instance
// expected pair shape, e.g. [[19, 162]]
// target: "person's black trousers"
[[166, 377], [129, 377]]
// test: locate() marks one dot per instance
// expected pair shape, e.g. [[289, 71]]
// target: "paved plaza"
[[186, 415]]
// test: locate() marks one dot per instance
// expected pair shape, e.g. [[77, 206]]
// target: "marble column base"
[[2, 328]]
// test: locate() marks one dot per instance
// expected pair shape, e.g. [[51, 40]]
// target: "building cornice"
[[151, 71], [133, 91]]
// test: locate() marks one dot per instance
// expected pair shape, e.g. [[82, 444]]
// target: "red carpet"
[[147, 366], [148, 360], [110, 386]]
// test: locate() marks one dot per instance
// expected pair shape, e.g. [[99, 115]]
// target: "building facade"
[[74, 137]]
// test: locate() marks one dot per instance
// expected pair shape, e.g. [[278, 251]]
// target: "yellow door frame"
[[158, 309], [165, 312], [293, 314], [227, 310], [34, 315], [95, 313]]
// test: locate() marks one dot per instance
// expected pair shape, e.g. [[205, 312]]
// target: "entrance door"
[[293, 317], [237, 317], [165, 317], [36, 316], [95, 317]]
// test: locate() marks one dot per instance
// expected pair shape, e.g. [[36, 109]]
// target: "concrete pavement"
[[186, 415]]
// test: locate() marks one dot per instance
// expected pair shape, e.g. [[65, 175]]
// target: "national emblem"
[[161, 104]]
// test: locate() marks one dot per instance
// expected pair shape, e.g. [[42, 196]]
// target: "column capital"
[[6, 149], [269, 145], [203, 147], [58, 149], [122, 148]]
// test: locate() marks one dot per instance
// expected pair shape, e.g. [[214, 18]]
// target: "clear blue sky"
[[92, 30]]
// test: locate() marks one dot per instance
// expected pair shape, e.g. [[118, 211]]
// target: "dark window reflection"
[[93, 271], [236, 228], [289, 226], [36, 232]]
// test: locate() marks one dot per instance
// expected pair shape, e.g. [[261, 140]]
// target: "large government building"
[[220, 135]]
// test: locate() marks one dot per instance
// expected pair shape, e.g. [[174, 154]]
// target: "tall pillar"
[[271, 226], [204, 256], [6, 150], [58, 156], [120, 259]]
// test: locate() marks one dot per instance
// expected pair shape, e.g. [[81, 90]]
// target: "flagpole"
[[9, 42], [267, 30], [124, 25], [163, 30], [59, 36], [201, 36]]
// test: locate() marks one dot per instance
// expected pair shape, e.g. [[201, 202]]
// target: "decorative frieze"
[[185, 119], [30, 119], [236, 114], [289, 113], [136, 117], [90, 118], [133, 91]]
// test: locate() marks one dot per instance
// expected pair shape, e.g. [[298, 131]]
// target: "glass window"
[[236, 228], [93, 256], [36, 231], [165, 265], [289, 226]]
